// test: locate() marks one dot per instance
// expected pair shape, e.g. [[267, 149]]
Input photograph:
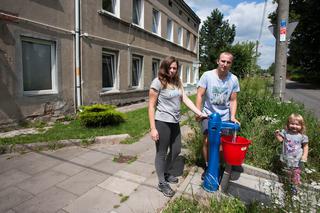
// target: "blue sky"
[[247, 17]]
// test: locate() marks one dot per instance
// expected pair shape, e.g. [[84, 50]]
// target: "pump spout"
[[230, 125]]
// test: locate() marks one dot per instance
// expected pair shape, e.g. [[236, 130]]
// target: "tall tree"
[[304, 45], [216, 34], [245, 58]]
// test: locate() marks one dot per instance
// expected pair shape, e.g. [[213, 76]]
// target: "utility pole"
[[279, 85]]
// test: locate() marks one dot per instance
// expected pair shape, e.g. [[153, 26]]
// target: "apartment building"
[[58, 55]]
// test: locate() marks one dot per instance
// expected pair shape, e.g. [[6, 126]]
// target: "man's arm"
[[233, 107], [200, 92]]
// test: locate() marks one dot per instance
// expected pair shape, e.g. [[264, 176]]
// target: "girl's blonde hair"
[[299, 118]]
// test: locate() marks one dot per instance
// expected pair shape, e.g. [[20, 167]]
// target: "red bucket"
[[234, 153]]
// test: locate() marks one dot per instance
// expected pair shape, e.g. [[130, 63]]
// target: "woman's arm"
[[191, 105], [153, 97]]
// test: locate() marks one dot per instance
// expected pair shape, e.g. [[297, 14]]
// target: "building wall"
[[100, 32], [15, 105]]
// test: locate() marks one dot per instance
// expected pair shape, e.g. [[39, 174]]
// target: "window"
[[195, 44], [169, 29], [111, 6], [155, 68], [180, 39], [156, 21], [137, 12], [136, 70], [188, 74], [39, 66], [180, 72], [195, 74], [188, 40], [109, 69]]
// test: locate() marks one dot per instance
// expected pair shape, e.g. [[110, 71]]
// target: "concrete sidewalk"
[[78, 179]]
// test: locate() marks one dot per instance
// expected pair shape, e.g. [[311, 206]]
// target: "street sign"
[[283, 30], [289, 30]]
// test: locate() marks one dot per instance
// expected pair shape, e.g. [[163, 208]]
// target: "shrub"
[[99, 115]]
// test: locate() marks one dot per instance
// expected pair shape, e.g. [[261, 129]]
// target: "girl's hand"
[[304, 159], [154, 134], [200, 117], [277, 132]]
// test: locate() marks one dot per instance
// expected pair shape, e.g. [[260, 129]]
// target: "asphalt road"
[[306, 94]]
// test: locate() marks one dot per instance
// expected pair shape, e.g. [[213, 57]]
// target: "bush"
[[99, 115]]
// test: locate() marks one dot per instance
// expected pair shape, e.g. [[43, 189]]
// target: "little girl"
[[295, 146]]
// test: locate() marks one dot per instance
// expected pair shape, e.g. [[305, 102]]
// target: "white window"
[[111, 6], [188, 74], [195, 74], [156, 22], [180, 72], [188, 40], [109, 70], [155, 67], [137, 12], [136, 70], [180, 36], [169, 30], [39, 66], [195, 43]]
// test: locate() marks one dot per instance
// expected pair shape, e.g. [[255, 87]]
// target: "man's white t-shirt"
[[218, 92]]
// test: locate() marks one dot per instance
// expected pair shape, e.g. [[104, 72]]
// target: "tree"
[[215, 35], [244, 62], [304, 45]]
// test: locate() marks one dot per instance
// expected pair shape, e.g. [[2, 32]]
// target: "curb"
[[110, 139]]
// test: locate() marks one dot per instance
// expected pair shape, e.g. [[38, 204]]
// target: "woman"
[[165, 96]]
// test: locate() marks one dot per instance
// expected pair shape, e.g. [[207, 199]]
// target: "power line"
[[261, 26]]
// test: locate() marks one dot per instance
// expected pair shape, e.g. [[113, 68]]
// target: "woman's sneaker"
[[165, 189], [170, 178]]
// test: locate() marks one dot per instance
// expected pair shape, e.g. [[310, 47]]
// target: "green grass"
[[136, 126]]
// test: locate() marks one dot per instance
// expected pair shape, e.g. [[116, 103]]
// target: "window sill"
[[106, 13], [41, 92], [109, 91]]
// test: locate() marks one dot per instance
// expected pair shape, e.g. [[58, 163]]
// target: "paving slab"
[[122, 183], [48, 201], [82, 182], [41, 182], [143, 200], [97, 200], [12, 177], [12, 197]]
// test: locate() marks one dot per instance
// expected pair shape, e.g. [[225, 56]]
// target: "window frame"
[[188, 35], [141, 17], [180, 72], [116, 8], [115, 61], [188, 74], [180, 36], [157, 61], [140, 58], [54, 65], [170, 36], [158, 24]]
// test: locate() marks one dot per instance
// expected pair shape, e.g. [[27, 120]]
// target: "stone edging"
[[110, 139]]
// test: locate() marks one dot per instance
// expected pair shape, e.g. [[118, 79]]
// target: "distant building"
[[55, 57]]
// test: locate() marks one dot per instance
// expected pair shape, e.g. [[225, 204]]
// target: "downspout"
[[77, 56]]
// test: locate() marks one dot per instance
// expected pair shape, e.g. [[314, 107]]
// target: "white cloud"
[[247, 17]]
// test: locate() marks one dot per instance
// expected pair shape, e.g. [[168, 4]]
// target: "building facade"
[[58, 55]]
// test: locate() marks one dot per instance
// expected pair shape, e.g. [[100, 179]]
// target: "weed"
[[124, 158], [124, 198]]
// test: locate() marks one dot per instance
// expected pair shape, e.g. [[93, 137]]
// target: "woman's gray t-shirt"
[[168, 103]]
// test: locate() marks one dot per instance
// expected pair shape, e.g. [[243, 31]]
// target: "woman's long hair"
[[164, 75]]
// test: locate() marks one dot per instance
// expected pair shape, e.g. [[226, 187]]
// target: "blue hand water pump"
[[215, 125]]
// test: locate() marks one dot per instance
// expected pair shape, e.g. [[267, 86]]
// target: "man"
[[220, 88]]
